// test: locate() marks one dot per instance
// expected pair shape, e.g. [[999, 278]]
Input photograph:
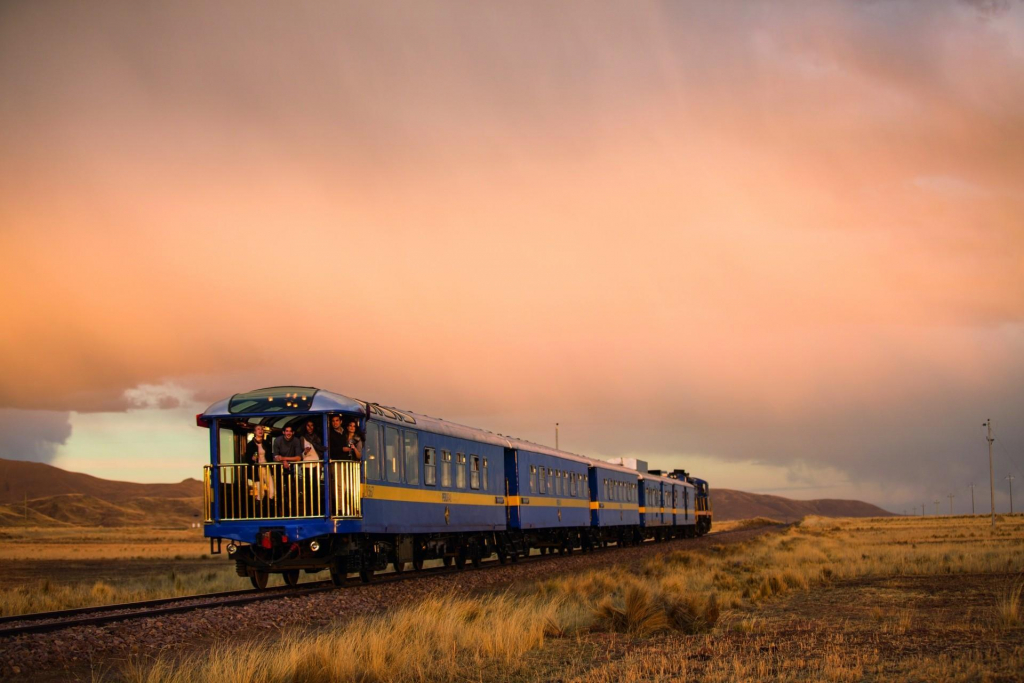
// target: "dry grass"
[[46, 595], [100, 543], [1008, 605], [440, 639], [717, 614]]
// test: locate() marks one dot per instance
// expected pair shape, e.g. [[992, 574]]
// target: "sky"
[[778, 244]]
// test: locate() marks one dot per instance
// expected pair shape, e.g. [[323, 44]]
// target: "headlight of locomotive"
[[232, 548], [314, 546]]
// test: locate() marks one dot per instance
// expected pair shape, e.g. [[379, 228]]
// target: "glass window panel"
[[446, 468], [371, 452], [474, 471], [543, 480], [392, 454], [429, 467], [227, 446], [533, 479], [485, 474], [412, 457], [460, 470]]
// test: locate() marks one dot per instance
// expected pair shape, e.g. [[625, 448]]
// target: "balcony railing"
[[273, 491]]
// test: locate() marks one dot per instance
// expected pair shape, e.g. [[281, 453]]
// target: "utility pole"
[[936, 508], [1009, 478], [556, 436], [972, 497], [922, 509], [991, 476], [951, 504]]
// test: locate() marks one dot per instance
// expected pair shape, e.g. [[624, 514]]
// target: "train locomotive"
[[423, 489]]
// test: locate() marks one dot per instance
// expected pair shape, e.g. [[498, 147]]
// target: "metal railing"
[[273, 491], [348, 491]]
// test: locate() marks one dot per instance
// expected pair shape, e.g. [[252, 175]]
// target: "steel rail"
[[45, 622]]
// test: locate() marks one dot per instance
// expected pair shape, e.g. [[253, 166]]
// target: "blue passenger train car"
[[306, 479]]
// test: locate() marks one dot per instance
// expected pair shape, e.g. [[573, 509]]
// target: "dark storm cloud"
[[33, 435]]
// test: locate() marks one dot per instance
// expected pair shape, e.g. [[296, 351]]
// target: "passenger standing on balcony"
[[353, 449], [336, 439], [288, 450], [310, 476], [258, 454]]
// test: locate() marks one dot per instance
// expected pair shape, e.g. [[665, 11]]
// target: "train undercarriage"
[[364, 555]]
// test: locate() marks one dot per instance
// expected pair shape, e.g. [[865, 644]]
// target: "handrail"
[[274, 491]]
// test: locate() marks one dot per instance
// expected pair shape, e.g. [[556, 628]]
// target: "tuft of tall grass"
[[1008, 605], [639, 613]]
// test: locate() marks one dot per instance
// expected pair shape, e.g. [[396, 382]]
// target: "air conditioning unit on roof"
[[631, 463]]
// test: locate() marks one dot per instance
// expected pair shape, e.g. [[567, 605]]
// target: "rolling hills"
[[36, 494], [730, 504]]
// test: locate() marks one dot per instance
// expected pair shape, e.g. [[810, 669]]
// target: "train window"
[[446, 468], [605, 482], [226, 446], [572, 484], [429, 467], [460, 470], [559, 483], [474, 471], [485, 474], [412, 457], [392, 454], [543, 480], [371, 452], [533, 479]]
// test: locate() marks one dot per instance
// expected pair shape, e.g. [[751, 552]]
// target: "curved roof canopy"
[[290, 400]]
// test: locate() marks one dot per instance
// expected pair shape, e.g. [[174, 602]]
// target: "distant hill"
[[36, 494], [59, 497], [730, 504], [20, 479], [77, 509]]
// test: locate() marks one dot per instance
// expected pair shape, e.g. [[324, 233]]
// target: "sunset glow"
[[783, 241]]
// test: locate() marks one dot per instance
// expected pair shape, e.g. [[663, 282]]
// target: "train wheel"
[[502, 556], [365, 575], [476, 560], [417, 562], [258, 579], [398, 566], [514, 556], [447, 560], [291, 577], [338, 577], [460, 560]]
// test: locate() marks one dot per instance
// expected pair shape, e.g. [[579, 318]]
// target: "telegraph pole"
[[556, 436], [936, 508], [951, 503], [991, 476], [922, 509], [972, 497], [1009, 478]]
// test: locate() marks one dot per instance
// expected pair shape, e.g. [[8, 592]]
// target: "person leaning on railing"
[[288, 450], [258, 453]]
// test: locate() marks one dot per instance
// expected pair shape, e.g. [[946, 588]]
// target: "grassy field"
[[59, 568], [901, 599]]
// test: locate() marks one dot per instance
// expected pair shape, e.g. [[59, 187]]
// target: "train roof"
[[297, 400]]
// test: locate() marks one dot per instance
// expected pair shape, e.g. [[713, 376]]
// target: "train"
[[422, 489]]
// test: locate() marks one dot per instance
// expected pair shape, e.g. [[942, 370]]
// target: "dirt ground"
[[887, 629]]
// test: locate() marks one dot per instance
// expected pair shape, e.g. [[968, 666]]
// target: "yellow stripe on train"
[[406, 495]]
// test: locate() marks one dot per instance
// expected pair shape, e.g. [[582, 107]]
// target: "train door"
[[512, 488]]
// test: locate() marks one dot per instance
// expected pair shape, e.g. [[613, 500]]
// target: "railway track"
[[44, 622]]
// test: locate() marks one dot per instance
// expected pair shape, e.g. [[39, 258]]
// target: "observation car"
[[423, 489]]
